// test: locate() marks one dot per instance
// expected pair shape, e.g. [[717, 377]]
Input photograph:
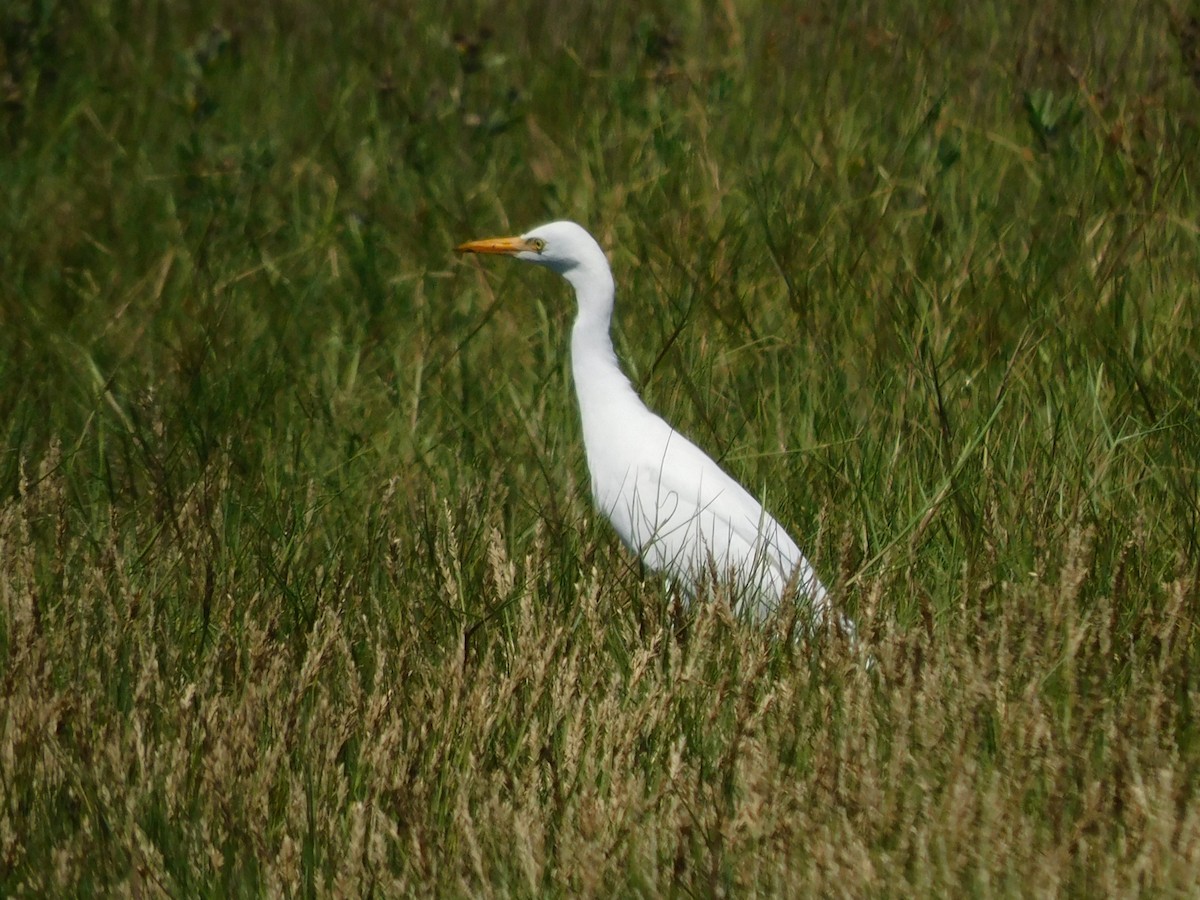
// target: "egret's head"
[[561, 246]]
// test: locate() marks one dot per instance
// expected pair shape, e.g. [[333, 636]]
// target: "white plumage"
[[670, 502]]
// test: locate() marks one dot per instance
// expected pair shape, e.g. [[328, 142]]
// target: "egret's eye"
[[537, 245]]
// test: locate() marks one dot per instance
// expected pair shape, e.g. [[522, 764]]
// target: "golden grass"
[[1034, 748]]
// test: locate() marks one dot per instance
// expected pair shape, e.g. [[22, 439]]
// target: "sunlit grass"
[[301, 589]]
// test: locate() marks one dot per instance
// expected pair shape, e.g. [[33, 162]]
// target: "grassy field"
[[301, 588]]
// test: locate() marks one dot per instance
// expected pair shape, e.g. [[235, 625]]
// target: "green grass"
[[301, 588]]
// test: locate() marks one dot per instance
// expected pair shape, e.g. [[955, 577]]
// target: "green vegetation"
[[301, 590]]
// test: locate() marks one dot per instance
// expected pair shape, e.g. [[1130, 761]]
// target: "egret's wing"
[[686, 516]]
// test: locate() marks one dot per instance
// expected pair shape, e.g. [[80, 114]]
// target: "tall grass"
[[301, 589]]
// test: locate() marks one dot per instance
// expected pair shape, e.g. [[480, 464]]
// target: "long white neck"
[[599, 383]]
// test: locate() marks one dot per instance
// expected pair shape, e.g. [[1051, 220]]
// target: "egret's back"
[[685, 516]]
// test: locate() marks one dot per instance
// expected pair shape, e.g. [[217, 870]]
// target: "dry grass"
[[1038, 748]]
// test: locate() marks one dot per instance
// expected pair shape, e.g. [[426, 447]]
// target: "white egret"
[[670, 503]]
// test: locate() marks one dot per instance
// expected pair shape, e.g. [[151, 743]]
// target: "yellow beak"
[[509, 246]]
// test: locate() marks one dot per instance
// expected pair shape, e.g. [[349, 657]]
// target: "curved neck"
[[598, 376], [594, 289]]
